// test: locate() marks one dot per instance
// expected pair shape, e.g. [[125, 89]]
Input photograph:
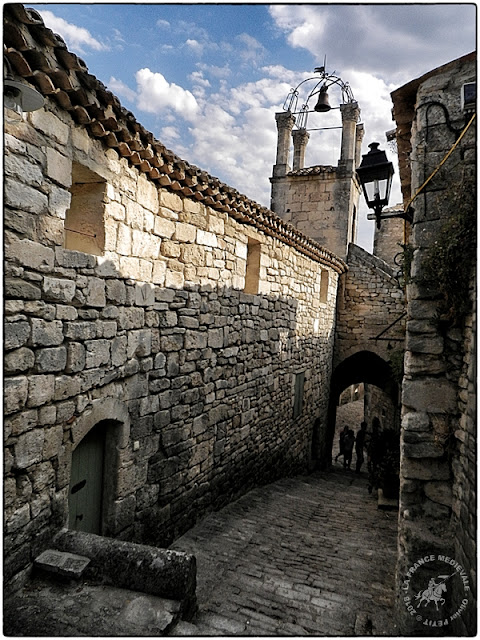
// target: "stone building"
[[168, 342], [437, 158], [321, 201]]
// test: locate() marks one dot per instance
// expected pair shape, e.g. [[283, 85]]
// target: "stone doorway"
[[85, 496]]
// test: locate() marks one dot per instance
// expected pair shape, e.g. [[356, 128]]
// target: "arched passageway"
[[362, 367]]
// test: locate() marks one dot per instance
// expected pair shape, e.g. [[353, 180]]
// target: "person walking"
[[348, 448], [360, 445], [341, 443]]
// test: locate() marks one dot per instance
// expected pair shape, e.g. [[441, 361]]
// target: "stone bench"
[[159, 572]]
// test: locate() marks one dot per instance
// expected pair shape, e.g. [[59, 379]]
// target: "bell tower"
[[321, 200]]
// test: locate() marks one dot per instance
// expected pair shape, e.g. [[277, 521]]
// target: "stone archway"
[[363, 366]]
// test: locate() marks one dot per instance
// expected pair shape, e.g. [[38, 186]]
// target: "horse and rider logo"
[[433, 593]]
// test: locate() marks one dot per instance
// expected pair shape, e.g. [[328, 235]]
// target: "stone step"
[[61, 563], [387, 503]]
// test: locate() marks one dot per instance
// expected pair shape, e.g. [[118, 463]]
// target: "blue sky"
[[207, 79]]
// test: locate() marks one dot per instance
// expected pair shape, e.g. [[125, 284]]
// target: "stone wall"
[[320, 202], [192, 379], [372, 300], [437, 500], [389, 238]]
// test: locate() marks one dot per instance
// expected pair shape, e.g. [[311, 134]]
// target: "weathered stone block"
[[170, 200], [119, 351], [97, 353], [80, 330], [52, 126], [52, 359], [147, 194], [96, 292], [215, 338], [23, 197], [432, 395], [40, 390], [58, 289], [139, 343], [163, 227], [53, 439], [16, 334], [207, 238], [30, 254], [67, 387], [144, 294], [184, 232], [28, 449], [15, 394], [46, 333], [19, 360], [21, 289], [59, 167]]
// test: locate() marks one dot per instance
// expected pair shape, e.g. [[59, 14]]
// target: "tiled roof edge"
[[41, 57]]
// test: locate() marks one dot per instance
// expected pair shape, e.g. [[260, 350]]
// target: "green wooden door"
[[86, 483]]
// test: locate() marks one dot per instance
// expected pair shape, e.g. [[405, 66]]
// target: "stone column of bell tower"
[[321, 201], [281, 168]]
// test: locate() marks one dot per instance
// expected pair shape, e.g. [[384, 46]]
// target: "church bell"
[[323, 104]]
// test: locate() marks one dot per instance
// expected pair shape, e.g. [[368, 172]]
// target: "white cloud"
[[195, 46], [156, 94], [120, 88], [163, 24], [75, 37]]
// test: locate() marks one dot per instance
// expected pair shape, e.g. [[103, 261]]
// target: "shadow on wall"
[[207, 375]]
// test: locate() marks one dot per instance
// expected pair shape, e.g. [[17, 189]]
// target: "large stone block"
[[19, 360], [96, 292], [29, 448], [21, 289], [52, 359], [20, 168], [430, 395], [163, 227], [30, 254], [59, 167], [48, 123], [97, 353], [46, 333], [58, 289], [40, 390], [15, 394], [147, 194], [207, 238], [16, 334]]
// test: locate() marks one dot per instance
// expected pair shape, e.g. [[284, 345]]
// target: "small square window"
[[324, 278], [252, 274], [84, 221]]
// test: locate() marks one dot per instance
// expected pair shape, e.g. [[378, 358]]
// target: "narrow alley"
[[310, 555]]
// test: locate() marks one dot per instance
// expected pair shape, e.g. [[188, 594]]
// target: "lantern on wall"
[[375, 175]]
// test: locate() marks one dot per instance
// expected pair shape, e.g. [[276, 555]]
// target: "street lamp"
[[18, 96], [375, 174]]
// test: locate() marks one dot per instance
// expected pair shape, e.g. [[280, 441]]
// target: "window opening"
[[252, 274], [324, 277], [84, 221], [298, 398]]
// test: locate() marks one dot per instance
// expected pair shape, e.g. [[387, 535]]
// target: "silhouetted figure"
[[341, 444], [348, 448], [359, 446]]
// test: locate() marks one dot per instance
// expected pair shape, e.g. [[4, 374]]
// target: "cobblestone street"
[[309, 555]]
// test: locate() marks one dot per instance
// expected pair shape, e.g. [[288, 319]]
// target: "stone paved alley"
[[310, 555]]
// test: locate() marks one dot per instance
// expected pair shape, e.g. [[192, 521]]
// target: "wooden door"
[[86, 483]]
